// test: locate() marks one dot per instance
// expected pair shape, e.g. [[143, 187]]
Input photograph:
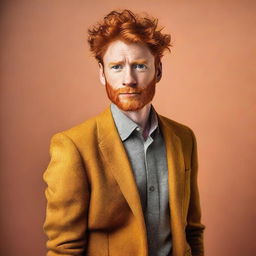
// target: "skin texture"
[[129, 75]]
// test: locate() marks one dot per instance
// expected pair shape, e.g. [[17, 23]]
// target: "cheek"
[[113, 80], [145, 78]]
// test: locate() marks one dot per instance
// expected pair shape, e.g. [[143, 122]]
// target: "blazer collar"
[[116, 158]]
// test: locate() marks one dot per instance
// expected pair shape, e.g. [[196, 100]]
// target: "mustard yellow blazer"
[[93, 204]]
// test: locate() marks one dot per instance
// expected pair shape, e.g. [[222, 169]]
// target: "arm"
[[194, 229], [67, 197]]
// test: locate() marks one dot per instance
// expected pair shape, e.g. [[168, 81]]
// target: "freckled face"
[[129, 75]]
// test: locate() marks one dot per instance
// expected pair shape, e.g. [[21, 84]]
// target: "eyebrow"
[[138, 61], [114, 63]]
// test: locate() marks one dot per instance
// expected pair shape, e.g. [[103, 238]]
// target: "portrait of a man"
[[124, 182]]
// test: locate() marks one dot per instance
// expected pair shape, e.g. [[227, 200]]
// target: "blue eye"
[[116, 67], [140, 66]]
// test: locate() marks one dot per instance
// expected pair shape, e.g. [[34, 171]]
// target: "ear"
[[158, 71], [101, 74]]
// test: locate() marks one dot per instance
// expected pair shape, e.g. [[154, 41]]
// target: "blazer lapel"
[[115, 156], [176, 178]]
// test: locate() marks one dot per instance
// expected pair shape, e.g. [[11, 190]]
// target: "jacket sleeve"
[[194, 228], [67, 195]]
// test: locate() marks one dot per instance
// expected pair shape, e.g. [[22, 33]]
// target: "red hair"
[[128, 27]]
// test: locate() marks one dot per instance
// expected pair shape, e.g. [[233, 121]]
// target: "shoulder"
[[84, 128], [184, 134], [181, 130], [81, 132]]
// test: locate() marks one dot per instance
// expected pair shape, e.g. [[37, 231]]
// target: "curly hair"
[[128, 27]]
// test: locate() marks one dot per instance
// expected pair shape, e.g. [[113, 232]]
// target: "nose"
[[129, 78]]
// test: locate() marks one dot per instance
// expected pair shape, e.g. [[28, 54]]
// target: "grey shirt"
[[149, 164]]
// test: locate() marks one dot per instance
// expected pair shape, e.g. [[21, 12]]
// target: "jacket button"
[[151, 188]]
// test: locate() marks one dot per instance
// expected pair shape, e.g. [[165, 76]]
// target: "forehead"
[[119, 51]]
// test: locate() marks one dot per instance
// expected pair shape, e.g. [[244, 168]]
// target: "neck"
[[140, 116]]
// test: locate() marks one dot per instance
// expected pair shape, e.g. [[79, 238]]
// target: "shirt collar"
[[126, 126]]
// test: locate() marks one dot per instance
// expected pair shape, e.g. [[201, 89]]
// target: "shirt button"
[[151, 188], [138, 129]]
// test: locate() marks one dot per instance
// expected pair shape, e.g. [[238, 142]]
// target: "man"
[[125, 182]]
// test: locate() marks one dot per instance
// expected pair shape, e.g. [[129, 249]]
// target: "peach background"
[[49, 82]]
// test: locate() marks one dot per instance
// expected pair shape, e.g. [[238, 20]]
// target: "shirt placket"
[[152, 209]]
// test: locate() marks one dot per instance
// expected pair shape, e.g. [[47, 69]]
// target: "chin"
[[131, 105]]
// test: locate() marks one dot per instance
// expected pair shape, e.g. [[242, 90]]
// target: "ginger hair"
[[128, 27]]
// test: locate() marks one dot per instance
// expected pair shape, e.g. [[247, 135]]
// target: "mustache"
[[129, 90]]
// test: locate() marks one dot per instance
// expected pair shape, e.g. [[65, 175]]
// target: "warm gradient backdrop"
[[49, 82]]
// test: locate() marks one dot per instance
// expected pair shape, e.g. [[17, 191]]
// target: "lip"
[[134, 93]]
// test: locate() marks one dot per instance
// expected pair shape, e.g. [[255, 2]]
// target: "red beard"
[[134, 102]]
